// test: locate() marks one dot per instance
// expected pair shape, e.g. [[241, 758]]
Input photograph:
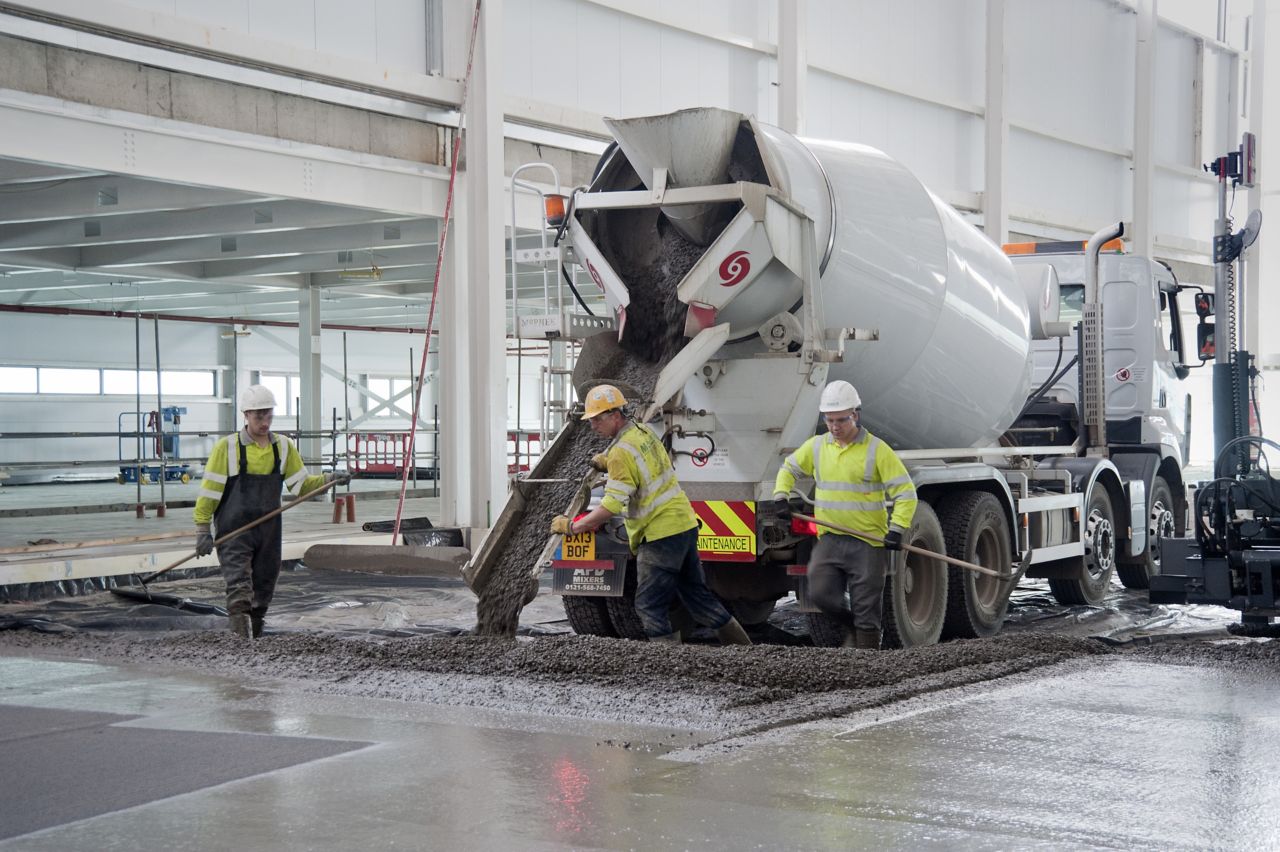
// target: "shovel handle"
[[268, 516], [911, 548]]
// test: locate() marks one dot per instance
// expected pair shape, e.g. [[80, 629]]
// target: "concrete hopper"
[[694, 147]]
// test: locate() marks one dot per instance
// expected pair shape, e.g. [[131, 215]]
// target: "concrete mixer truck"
[[1035, 397]]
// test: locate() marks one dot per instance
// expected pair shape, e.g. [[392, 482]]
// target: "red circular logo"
[[734, 268], [699, 457], [1123, 374]]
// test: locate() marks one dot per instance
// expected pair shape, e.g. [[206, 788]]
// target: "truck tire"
[[915, 597], [1136, 572], [588, 616], [825, 631], [622, 610], [977, 530], [1093, 580]]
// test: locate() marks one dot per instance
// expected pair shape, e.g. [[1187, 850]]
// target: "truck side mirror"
[[1205, 341], [1204, 305]]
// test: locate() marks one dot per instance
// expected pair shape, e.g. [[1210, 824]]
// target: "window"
[[17, 379], [1071, 303], [286, 389], [126, 382], [94, 381], [65, 380], [380, 389], [172, 382]]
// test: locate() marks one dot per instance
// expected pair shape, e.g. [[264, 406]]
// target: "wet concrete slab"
[[1112, 751]]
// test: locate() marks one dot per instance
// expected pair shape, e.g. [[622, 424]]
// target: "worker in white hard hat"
[[234, 493], [661, 526], [856, 475]]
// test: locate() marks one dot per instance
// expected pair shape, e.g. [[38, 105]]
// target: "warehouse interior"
[[354, 205]]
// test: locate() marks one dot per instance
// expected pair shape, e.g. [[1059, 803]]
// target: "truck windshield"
[[1071, 303]]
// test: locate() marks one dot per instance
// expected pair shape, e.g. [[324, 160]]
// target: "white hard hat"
[[257, 397], [839, 396]]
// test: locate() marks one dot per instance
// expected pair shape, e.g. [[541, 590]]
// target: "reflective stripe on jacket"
[[642, 487], [853, 484], [259, 460]]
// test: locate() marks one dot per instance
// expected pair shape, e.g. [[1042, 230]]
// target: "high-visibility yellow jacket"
[[642, 487], [853, 485], [259, 461]]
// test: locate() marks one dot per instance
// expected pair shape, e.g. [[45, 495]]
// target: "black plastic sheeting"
[[18, 592], [305, 599]]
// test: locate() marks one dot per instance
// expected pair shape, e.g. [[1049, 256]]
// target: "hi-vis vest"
[[853, 484], [224, 464], [642, 487]]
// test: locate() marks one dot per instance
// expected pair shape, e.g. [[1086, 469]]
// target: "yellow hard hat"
[[602, 398]]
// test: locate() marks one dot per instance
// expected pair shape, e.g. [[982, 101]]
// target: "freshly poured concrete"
[[1112, 751]]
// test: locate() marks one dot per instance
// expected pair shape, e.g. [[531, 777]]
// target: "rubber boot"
[[239, 624], [866, 640], [256, 623], [850, 641], [733, 634], [670, 638]]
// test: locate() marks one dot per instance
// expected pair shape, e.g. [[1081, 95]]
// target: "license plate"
[[578, 548]]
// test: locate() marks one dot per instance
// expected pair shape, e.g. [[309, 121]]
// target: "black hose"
[[569, 280], [1050, 382]]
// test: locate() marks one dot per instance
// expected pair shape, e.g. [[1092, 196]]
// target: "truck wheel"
[[588, 616], [915, 597], [1136, 572], [825, 631], [622, 610], [1099, 563], [977, 531]]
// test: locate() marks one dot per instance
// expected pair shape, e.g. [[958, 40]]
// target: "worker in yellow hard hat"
[[661, 526]]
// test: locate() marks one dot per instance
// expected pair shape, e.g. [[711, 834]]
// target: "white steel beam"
[[309, 371], [1144, 128], [1252, 307], [995, 212], [97, 139], [206, 219], [358, 239], [793, 64]]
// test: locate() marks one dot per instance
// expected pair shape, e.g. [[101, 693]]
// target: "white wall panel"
[[401, 27], [922, 46], [598, 48], [1177, 67], [1070, 68], [1065, 182], [230, 14], [286, 21], [340, 31]]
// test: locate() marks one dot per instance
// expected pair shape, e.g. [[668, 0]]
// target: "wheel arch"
[[934, 485]]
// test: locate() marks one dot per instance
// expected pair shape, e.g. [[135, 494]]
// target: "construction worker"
[[855, 475], [661, 526], [242, 482]]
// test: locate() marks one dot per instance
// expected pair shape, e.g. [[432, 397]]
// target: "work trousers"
[[669, 568], [841, 562]]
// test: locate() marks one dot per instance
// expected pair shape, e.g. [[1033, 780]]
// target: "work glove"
[[893, 540], [340, 476], [600, 462], [560, 525], [781, 508], [204, 543]]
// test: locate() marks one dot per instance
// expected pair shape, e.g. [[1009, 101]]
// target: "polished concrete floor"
[[1120, 754]]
